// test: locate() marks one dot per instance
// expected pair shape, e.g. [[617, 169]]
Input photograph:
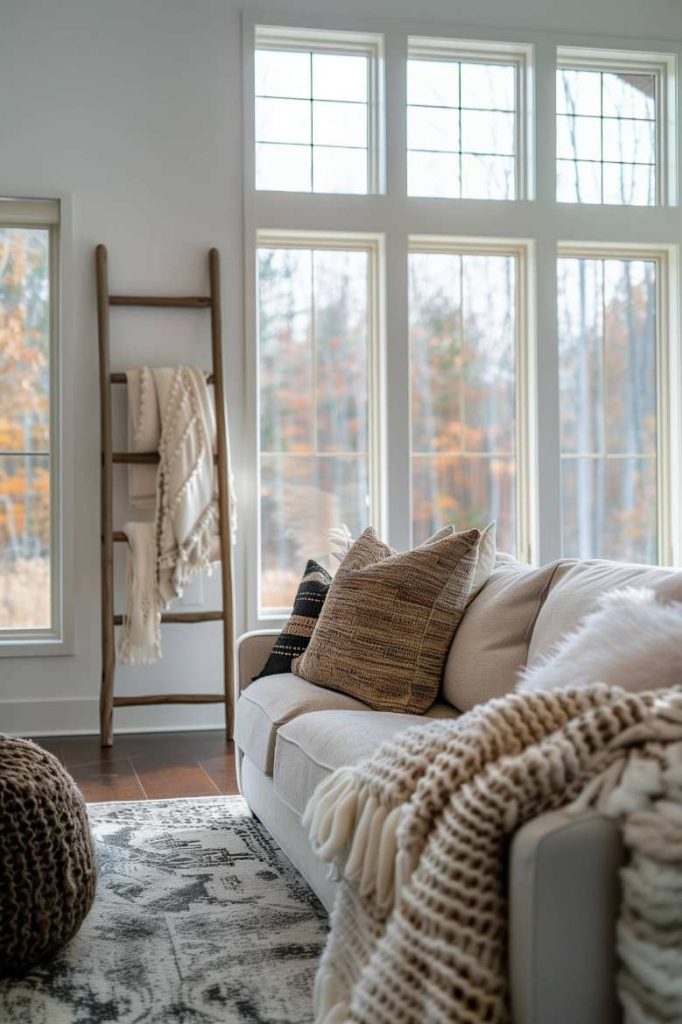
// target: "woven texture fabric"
[[389, 619], [419, 835], [172, 410], [47, 866], [295, 635]]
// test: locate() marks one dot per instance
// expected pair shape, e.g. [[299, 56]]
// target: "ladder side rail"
[[223, 470], [106, 498]]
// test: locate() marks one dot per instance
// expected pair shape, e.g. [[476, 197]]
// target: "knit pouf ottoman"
[[47, 865]]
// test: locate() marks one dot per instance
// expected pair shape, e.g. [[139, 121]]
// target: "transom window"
[[315, 99], [610, 128], [463, 121]]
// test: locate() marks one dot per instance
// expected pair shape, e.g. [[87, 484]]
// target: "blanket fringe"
[[198, 553], [328, 999], [351, 830], [136, 654]]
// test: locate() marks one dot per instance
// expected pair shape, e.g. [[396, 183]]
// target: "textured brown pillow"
[[386, 627]]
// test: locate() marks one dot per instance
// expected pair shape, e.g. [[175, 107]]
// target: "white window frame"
[[521, 252], [54, 215], [516, 55], [372, 245], [538, 221], [663, 68], [667, 349], [365, 44]]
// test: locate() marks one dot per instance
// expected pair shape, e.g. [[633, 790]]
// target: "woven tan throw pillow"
[[386, 627]]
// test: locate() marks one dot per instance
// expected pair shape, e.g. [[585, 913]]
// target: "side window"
[[29, 533]]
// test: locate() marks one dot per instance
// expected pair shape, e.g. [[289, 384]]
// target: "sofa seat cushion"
[[579, 590], [269, 702], [493, 639], [311, 746]]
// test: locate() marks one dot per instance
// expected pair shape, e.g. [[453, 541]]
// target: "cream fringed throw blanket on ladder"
[[170, 412], [419, 835]]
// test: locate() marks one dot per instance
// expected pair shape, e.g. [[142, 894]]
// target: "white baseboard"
[[76, 717]]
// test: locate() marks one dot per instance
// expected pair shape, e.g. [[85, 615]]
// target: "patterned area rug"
[[199, 918]]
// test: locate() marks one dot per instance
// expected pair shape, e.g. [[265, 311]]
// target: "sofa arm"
[[252, 653], [564, 894]]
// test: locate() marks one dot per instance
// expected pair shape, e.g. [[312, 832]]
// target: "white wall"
[[133, 108]]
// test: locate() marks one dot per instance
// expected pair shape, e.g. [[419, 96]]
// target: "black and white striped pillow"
[[295, 636]]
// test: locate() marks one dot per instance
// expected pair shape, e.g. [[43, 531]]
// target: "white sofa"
[[563, 871]]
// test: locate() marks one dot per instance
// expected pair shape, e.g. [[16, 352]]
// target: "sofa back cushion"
[[578, 590], [494, 637]]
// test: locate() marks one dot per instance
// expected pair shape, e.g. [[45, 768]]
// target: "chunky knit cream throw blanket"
[[418, 836]]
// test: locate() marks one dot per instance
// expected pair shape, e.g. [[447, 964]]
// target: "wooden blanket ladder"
[[110, 536]]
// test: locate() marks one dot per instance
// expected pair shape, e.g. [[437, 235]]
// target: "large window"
[[463, 341], [508, 345], [316, 335], [609, 407], [28, 525]]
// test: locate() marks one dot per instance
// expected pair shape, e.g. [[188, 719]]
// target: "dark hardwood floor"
[[148, 766]]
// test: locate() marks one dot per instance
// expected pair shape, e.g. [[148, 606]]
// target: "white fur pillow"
[[630, 641]]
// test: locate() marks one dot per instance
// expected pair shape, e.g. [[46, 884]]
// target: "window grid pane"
[[463, 392], [606, 137], [461, 129], [312, 122], [313, 366], [25, 540], [607, 352]]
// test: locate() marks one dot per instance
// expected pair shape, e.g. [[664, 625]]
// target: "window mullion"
[[546, 429], [396, 397], [392, 389], [671, 394], [668, 424], [542, 486]]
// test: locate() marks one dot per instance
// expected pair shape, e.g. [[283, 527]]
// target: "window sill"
[[36, 647]]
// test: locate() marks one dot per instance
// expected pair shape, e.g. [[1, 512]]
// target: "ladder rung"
[[137, 458], [170, 698], [187, 301], [120, 378], [182, 617]]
